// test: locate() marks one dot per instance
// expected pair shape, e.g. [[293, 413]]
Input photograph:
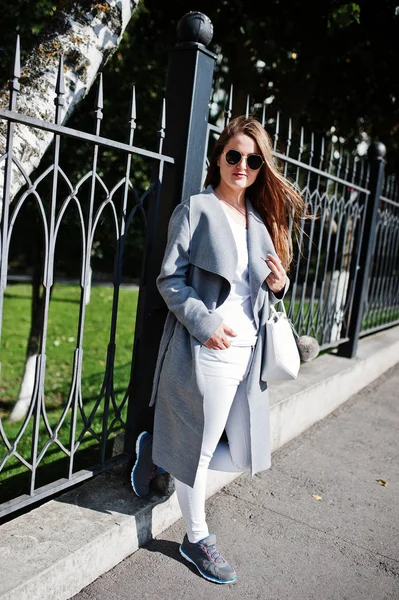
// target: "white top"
[[236, 310]]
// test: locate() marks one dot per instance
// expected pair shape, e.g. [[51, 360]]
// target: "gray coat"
[[197, 270]]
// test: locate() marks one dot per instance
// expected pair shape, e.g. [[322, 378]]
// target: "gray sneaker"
[[208, 560]]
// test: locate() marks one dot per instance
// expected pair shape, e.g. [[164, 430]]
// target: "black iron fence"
[[343, 279], [382, 296], [77, 431]]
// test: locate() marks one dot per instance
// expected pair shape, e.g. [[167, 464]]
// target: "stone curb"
[[57, 549]]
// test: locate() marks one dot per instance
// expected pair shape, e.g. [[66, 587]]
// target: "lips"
[[239, 175]]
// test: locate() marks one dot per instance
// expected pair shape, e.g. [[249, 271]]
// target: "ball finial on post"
[[376, 151], [195, 27]]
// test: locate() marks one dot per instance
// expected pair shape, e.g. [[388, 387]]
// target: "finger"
[[272, 278], [277, 278], [274, 259], [224, 343], [228, 330], [276, 282], [273, 268], [275, 262]]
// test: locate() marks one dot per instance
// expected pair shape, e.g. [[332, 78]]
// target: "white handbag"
[[282, 356]]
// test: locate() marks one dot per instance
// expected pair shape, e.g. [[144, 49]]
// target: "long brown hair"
[[271, 194]]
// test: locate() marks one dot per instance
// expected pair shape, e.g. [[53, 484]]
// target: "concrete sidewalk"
[[56, 550], [317, 525]]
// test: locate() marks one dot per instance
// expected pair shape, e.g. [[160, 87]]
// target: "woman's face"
[[240, 176]]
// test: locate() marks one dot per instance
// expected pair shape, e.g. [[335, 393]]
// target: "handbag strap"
[[274, 312], [273, 307]]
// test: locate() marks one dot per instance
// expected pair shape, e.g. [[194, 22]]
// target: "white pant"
[[225, 408]]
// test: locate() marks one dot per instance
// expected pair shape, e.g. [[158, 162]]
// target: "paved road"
[[284, 543]]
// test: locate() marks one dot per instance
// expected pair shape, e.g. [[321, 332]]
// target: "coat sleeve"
[[182, 299]]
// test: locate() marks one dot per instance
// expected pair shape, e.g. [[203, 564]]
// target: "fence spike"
[[247, 106], [99, 104], [301, 141], [277, 130], [340, 159], [162, 125], [60, 85], [133, 114], [16, 74], [264, 113], [100, 95], [347, 164], [59, 91], [163, 120], [229, 107], [289, 137], [311, 151], [322, 150], [14, 84], [330, 161], [132, 120]]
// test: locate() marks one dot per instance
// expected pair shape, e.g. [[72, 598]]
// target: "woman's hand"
[[277, 276], [219, 340]]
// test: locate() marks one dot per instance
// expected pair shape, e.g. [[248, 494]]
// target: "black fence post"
[[376, 153], [188, 93]]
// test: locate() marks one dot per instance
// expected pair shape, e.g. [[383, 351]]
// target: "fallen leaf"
[[317, 497], [382, 482]]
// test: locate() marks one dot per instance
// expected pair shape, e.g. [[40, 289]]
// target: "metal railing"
[[79, 423], [382, 299]]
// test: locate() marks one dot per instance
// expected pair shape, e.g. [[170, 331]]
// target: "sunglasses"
[[254, 161]]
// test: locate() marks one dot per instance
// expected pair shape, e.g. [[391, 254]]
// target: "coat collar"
[[212, 244], [219, 253]]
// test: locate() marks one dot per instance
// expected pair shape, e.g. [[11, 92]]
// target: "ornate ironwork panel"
[[382, 300], [59, 438]]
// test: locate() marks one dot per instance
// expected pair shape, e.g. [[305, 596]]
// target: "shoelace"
[[214, 553], [152, 474]]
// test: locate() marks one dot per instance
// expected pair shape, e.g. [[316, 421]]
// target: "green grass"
[[61, 342], [376, 317]]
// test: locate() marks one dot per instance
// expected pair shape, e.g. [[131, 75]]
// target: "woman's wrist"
[[280, 293]]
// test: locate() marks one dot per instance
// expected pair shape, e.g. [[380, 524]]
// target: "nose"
[[243, 162]]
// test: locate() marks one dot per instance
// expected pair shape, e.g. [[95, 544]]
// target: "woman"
[[225, 261]]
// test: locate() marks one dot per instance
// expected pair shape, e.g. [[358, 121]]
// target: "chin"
[[240, 183]]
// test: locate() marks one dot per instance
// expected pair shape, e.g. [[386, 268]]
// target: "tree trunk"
[[87, 36], [28, 379]]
